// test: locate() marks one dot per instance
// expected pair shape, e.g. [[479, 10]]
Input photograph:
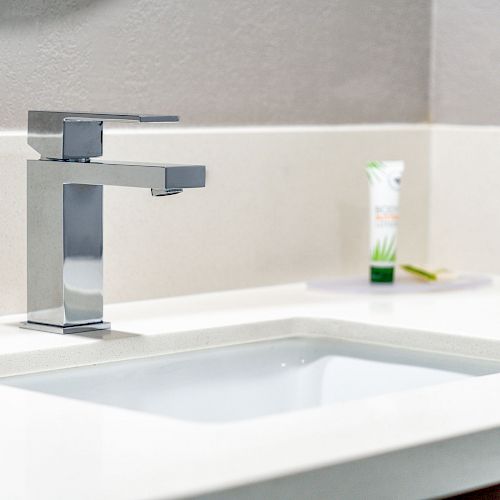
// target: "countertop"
[[55, 448]]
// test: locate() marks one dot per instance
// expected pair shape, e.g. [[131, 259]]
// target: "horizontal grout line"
[[267, 129], [245, 129], [280, 129], [13, 133], [465, 128]]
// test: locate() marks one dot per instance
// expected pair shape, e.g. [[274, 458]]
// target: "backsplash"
[[465, 207], [282, 204]]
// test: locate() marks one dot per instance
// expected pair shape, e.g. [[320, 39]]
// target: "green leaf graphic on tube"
[[373, 170], [384, 251]]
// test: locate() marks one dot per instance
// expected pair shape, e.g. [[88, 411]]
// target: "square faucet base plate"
[[91, 327]]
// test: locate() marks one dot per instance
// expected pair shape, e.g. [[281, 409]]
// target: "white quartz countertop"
[[55, 448]]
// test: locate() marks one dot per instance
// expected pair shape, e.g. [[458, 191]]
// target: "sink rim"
[[113, 345], [270, 338]]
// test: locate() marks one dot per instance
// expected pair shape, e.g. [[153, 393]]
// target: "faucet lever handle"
[[76, 136], [119, 117]]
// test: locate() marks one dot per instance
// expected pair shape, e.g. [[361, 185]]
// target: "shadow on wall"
[[30, 11]]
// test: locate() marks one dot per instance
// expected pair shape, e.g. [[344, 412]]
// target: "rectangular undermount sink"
[[254, 379]]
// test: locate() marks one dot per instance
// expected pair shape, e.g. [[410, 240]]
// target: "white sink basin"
[[255, 379]]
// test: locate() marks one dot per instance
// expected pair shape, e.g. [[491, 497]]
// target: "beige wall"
[[466, 62], [281, 205], [254, 62], [465, 180], [217, 61]]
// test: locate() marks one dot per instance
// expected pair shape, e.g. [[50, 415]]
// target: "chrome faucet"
[[65, 229]]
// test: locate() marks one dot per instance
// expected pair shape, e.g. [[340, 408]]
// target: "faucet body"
[[65, 234]]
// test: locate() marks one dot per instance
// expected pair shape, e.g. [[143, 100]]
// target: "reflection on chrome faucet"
[[65, 230]]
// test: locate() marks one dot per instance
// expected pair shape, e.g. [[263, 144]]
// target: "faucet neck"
[[65, 256]]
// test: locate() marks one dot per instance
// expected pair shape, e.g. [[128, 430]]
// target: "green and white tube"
[[385, 182]]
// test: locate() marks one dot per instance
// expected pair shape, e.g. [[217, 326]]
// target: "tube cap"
[[381, 274]]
